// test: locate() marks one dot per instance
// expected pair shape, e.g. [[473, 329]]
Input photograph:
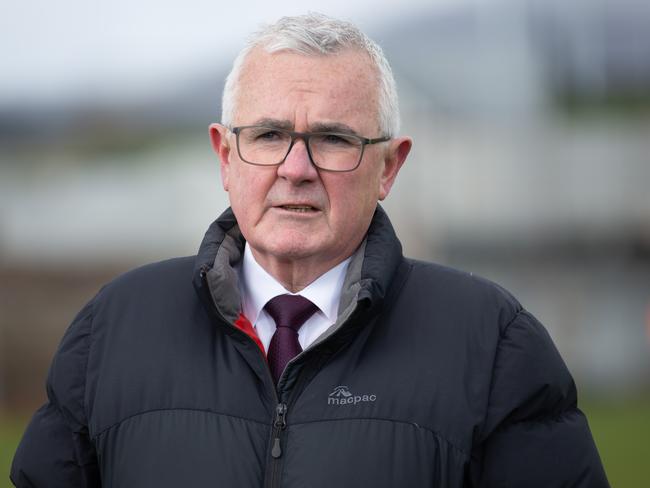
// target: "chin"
[[299, 245], [294, 249]]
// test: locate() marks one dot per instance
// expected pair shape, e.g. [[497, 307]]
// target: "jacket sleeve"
[[534, 435], [55, 451]]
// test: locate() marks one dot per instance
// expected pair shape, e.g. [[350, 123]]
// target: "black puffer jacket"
[[430, 378]]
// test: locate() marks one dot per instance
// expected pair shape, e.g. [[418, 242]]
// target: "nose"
[[297, 166]]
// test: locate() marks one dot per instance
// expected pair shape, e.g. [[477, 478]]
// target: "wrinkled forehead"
[[339, 87]]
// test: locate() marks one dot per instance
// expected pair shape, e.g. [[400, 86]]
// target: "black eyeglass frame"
[[305, 136]]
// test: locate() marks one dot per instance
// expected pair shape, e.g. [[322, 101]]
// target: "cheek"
[[354, 203], [249, 187]]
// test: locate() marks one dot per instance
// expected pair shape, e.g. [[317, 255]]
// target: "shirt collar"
[[258, 287]]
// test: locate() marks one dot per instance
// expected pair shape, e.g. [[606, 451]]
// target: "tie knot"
[[290, 310]]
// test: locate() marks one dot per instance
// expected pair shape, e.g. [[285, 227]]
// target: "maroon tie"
[[289, 313]]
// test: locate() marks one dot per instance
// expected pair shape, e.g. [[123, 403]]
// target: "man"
[[299, 348]]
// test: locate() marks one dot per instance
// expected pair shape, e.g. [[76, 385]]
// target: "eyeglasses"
[[329, 151]]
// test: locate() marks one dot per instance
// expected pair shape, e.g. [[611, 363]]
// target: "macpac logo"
[[341, 396]]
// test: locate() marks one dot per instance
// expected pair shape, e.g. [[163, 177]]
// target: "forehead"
[[308, 89]]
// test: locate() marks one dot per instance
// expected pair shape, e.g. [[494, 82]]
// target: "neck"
[[295, 274]]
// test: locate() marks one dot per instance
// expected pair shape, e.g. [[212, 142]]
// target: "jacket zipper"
[[279, 425]]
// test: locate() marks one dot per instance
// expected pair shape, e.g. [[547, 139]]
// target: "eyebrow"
[[274, 123], [317, 127], [333, 127]]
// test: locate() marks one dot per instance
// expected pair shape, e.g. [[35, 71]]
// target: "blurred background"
[[531, 166]]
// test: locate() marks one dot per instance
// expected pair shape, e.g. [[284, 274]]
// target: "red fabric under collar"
[[243, 324]]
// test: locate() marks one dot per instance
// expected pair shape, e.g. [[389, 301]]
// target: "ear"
[[394, 159], [221, 147]]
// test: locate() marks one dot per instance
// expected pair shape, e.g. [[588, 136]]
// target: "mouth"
[[298, 208]]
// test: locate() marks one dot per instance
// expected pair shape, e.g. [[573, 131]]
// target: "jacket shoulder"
[[166, 271], [154, 279], [463, 293]]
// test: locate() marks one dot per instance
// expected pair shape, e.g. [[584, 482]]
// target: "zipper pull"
[[276, 452], [279, 425]]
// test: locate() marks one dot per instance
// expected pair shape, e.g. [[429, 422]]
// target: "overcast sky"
[[51, 50]]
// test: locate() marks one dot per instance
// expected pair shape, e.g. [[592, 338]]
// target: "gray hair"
[[315, 34]]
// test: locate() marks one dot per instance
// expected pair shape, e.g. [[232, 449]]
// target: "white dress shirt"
[[257, 287]]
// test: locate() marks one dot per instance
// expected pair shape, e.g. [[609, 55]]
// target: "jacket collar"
[[369, 276]]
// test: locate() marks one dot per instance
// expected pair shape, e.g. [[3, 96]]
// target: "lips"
[[287, 201], [298, 208]]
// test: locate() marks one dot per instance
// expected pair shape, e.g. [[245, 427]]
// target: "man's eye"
[[337, 140], [267, 136]]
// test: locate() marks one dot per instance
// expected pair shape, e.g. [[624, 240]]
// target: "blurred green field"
[[621, 430], [11, 429]]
